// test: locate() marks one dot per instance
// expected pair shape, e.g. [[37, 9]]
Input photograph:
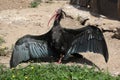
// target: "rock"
[[117, 33]]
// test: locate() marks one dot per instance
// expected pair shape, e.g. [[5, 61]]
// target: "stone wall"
[[110, 8]]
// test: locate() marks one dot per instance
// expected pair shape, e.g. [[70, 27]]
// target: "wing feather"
[[30, 50], [89, 39]]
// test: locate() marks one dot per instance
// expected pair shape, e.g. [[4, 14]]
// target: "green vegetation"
[[3, 50], [35, 3], [54, 72], [1, 41]]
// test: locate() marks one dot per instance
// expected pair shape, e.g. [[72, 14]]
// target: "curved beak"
[[52, 18]]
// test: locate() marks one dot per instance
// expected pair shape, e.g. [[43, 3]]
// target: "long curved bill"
[[52, 18]]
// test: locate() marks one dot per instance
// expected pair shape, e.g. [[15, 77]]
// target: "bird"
[[59, 42]]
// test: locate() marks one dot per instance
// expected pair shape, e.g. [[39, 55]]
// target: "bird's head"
[[58, 16]]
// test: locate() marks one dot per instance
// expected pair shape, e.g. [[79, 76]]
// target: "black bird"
[[59, 42]]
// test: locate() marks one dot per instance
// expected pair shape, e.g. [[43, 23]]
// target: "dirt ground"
[[18, 20]]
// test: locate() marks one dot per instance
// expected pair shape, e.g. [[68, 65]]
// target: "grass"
[[3, 50], [35, 3], [1, 41], [54, 72]]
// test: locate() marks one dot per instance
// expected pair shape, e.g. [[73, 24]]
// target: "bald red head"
[[56, 15]]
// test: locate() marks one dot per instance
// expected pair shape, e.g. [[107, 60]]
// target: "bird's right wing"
[[30, 50], [91, 39]]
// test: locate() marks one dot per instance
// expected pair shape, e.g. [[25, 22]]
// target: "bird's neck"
[[56, 23], [57, 20]]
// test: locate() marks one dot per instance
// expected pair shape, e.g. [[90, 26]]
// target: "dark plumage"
[[59, 42]]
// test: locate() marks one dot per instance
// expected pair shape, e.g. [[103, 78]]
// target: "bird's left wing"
[[89, 39], [30, 50]]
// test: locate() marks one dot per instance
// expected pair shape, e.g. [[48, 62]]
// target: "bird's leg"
[[60, 60]]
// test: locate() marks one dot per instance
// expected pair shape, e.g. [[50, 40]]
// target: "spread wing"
[[89, 39], [29, 50]]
